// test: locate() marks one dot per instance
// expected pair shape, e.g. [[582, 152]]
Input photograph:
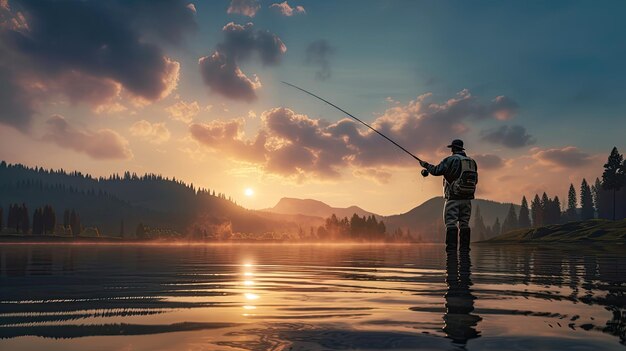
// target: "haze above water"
[[308, 297]]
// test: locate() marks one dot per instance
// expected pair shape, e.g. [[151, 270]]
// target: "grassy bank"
[[594, 230]]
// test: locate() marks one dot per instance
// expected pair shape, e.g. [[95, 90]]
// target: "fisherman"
[[460, 177]]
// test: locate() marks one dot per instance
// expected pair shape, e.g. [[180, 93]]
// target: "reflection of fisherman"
[[460, 178], [460, 324]]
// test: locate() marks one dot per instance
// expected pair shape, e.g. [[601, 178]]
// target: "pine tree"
[[596, 189], [511, 221], [586, 201], [524, 214], [613, 175], [556, 211], [479, 230], [66, 218], [536, 212], [24, 219], [496, 228], [572, 203], [74, 223]]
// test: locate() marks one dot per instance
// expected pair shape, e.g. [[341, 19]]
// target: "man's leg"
[[465, 212], [451, 217]]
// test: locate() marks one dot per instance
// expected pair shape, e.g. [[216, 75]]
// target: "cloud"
[[156, 133], [224, 77], [296, 146], [504, 108], [221, 71], [241, 41], [183, 111], [227, 137], [488, 161], [18, 104], [244, 7], [566, 157], [509, 136], [284, 9], [104, 144], [318, 54], [89, 50]]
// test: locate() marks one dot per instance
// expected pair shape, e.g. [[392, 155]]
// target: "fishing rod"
[[365, 124]]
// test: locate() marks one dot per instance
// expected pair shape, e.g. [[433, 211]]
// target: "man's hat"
[[457, 144]]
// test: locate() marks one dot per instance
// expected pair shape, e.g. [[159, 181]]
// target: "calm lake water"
[[310, 297]]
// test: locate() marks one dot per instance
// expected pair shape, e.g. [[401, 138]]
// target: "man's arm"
[[439, 169]]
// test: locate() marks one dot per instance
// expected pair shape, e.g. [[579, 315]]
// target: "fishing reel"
[[424, 173]]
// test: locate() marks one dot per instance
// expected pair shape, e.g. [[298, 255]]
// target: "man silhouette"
[[460, 177]]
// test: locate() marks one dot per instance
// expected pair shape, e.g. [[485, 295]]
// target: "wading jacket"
[[450, 169]]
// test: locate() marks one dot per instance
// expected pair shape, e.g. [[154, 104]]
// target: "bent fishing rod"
[[365, 124]]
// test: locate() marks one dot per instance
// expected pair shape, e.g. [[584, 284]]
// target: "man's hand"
[[423, 163]]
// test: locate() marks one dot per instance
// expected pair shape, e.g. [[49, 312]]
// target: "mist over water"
[[303, 297]]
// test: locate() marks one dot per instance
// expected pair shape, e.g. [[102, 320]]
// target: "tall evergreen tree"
[[536, 212], [556, 211], [613, 175], [545, 208], [496, 229], [479, 230], [66, 218], [586, 201], [571, 212], [75, 223], [524, 214], [24, 219], [596, 189], [510, 222]]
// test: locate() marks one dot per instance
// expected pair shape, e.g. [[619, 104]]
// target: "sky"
[[192, 90]]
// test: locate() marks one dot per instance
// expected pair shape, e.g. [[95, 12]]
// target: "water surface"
[[310, 297]]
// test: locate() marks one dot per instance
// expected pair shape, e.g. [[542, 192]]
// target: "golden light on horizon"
[[249, 192]]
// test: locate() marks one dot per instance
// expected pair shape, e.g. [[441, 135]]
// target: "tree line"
[[44, 221], [366, 228], [605, 199]]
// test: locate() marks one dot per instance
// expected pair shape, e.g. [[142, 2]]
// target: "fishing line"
[[347, 113]]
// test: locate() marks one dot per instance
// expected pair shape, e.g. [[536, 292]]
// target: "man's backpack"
[[464, 186]]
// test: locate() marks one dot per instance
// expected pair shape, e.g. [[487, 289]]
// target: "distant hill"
[[315, 208], [117, 204], [426, 220], [594, 230]]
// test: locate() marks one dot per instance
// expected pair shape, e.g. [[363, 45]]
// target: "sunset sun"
[[249, 192]]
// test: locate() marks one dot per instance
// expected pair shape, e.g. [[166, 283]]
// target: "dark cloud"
[[318, 54], [509, 136], [221, 71], [244, 7], [297, 146], [18, 104], [568, 157], [116, 42], [488, 161], [102, 144], [242, 41], [225, 78], [284, 9]]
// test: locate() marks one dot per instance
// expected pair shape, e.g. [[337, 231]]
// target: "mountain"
[[315, 208], [425, 222], [116, 205], [593, 230]]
